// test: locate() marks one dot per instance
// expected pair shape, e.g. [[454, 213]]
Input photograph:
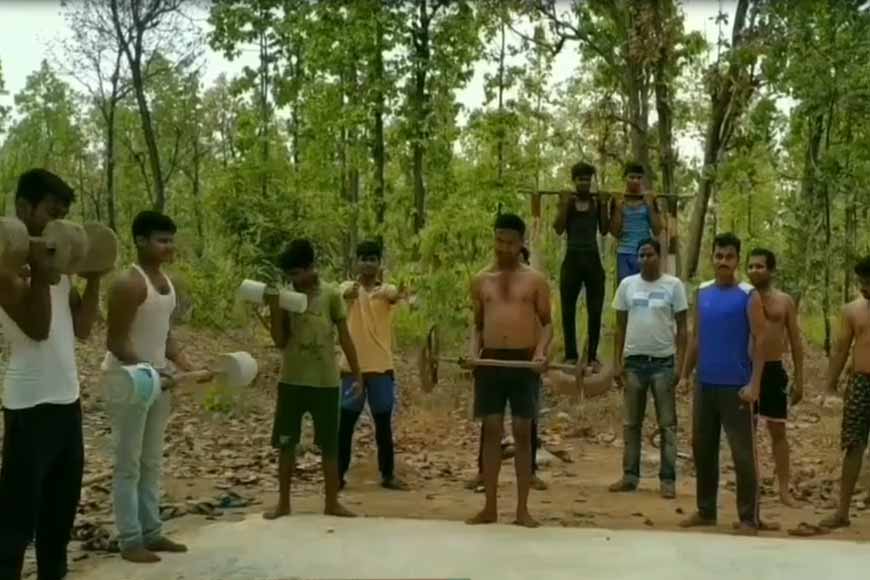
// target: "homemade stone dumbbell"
[[76, 248], [256, 293]]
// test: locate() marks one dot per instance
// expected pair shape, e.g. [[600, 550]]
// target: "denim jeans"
[[137, 442], [644, 374]]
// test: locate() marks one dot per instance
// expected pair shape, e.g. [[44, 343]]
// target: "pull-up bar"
[[601, 193]]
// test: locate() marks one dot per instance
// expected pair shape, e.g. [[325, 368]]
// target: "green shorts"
[[322, 403]]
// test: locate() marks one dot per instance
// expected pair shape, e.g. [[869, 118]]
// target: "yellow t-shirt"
[[370, 322]]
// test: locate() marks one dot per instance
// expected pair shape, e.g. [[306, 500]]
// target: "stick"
[[601, 193]]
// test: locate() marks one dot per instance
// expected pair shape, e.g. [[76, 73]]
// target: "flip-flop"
[[806, 530]]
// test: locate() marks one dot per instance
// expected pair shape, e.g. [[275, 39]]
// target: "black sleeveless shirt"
[[582, 228]]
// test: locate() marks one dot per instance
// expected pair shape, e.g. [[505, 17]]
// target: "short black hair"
[[862, 268], [369, 248], [582, 169], [727, 240], [298, 254], [511, 221], [769, 257], [633, 167], [651, 242], [35, 185], [147, 222]]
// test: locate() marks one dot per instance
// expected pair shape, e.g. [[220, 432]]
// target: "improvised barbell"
[[567, 379], [256, 293]]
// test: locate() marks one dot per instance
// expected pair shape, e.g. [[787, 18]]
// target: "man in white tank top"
[[43, 451], [141, 303]]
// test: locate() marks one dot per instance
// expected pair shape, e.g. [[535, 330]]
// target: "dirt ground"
[[214, 456]]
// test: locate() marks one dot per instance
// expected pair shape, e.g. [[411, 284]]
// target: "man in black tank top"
[[581, 217]]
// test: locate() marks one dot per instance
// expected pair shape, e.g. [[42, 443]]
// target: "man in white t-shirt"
[[43, 451], [651, 331]]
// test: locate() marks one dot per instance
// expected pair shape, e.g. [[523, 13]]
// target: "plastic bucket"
[[239, 369], [136, 384], [293, 301], [252, 291]]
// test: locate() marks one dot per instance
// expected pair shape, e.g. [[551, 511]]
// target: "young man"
[[581, 217], [728, 345], [782, 331], [310, 379], [536, 483], [511, 304], [650, 311], [854, 335], [43, 450], [632, 219], [141, 303], [370, 322]]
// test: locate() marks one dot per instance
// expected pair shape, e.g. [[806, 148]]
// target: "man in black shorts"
[[310, 380], [783, 333], [511, 322], [537, 483]]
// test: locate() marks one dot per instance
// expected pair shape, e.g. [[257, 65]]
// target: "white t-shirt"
[[42, 371], [651, 307]]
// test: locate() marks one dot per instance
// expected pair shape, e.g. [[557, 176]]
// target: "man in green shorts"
[[310, 380]]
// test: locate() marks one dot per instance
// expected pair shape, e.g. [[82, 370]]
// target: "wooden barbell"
[[566, 379], [600, 193], [76, 248]]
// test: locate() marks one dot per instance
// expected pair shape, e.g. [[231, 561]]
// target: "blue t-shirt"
[[724, 335], [636, 227]]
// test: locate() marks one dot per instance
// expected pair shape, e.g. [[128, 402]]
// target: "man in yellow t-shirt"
[[370, 307]]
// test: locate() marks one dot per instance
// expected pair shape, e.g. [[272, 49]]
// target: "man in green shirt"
[[310, 377]]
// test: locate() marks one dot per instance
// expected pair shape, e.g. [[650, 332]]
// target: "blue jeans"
[[626, 265], [644, 374], [137, 442]]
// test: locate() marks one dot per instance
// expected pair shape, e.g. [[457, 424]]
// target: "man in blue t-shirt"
[[728, 346], [633, 218]]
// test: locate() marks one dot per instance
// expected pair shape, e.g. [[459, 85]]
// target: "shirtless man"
[[510, 301], [854, 333], [783, 332]]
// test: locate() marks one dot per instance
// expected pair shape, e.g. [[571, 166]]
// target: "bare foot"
[[526, 520], [696, 520], [835, 521], [139, 555], [338, 511], [762, 526], [787, 500], [746, 529], [538, 484], [483, 517], [279, 512]]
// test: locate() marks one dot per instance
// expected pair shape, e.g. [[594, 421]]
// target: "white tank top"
[[150, 328], [42, 371]]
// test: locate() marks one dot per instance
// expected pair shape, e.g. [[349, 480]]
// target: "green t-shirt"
[[309, 357]]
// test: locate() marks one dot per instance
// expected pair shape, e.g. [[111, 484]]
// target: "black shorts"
[[496, 387], [322, 403], [773, 400]]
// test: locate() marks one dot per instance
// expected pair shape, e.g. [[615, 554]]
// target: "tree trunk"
[[729, 94], [264, 113], [663, 12], [499, 178], [378, 144], [196, 192], [420, 36], [110, 164]]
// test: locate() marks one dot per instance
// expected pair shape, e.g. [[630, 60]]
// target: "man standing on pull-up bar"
[[581, 217], [511, 322]]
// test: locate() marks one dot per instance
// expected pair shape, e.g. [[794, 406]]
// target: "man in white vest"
[[141, 303], [43, 450]]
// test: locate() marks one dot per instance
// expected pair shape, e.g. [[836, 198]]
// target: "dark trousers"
[[714, 409], [383, 437], [40, 485], [579, 270], [535, 443]]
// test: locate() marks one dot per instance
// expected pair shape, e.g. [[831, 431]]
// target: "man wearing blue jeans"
[[141, 302], [633, 218], [370, 306], [650, 313]]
